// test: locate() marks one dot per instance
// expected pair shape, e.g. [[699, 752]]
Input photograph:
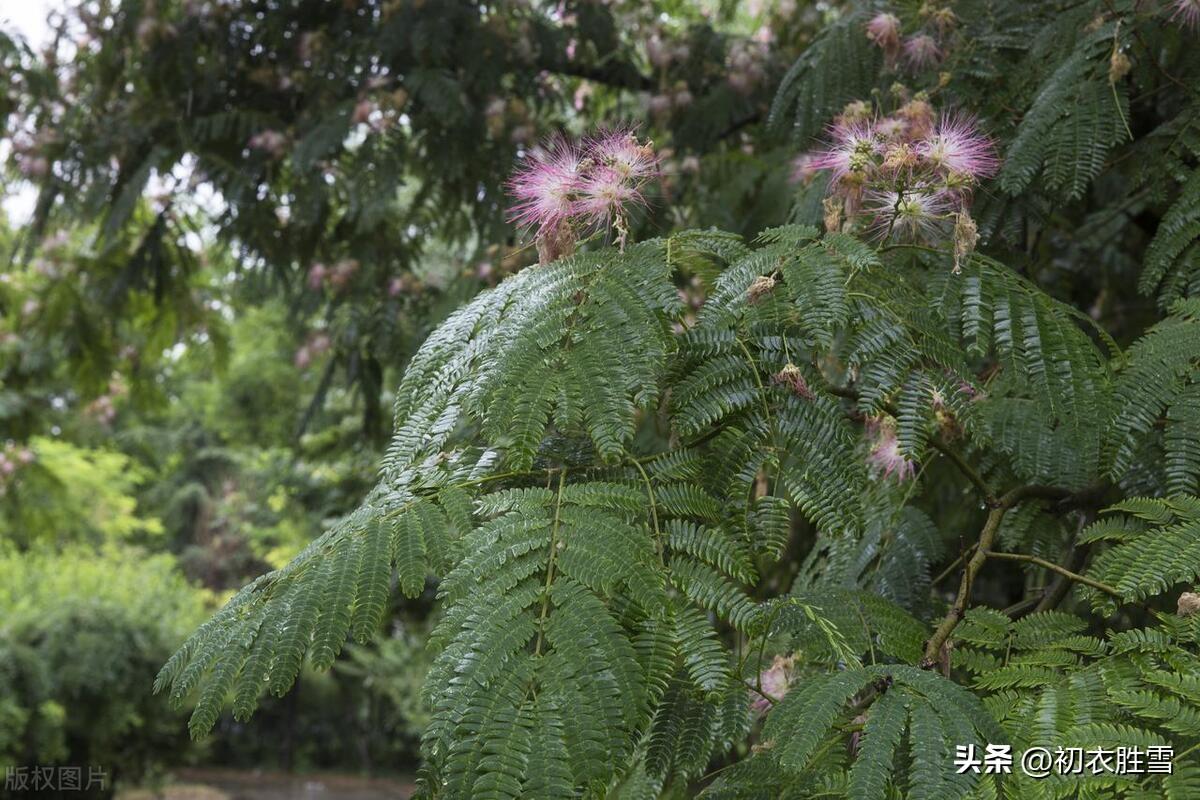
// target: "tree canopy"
[[788, 399]]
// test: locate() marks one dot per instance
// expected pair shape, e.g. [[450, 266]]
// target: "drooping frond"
[[1174, 252], [1144, 561], [1159, 377], [1075, 118], [840, 66]]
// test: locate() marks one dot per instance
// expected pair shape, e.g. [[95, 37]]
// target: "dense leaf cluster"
[[632, 505]]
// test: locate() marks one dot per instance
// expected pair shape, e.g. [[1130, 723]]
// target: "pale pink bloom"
[[852, 149], [363, 111], [604, 194], [342, 272], [658, 52], [884, 31], [319, 343], [885, 454], [546, 187], [581, 96], [773, 682], [803, 168], [33, 166], [957, 146], [269, 141], [495, 108], [741, 82], [659, 105], [619, 150], [917, 213], [316, 275], [890, 128], [922, 51], [1187, 12]]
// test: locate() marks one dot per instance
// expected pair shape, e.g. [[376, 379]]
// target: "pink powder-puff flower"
[[268, 141], [911, 214], [547, 187], [850, 153], [619, 149], [772, 682], [956, 146], [884, 30], [566, 187], [885, 455], [1187, 12], [604, 195], [890, 128], [316, 275], [921, 52]]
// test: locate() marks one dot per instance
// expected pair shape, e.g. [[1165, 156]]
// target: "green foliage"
[[67, 494], [1142, 560], [1077, 115], [839, 66], [731, 512], [82, 633], [1045, 679], [1159, 378], [587, 583]]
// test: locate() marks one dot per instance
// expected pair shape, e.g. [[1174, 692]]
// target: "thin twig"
[[1066, 573]]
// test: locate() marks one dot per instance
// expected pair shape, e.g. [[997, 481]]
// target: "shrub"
[[82, 635]]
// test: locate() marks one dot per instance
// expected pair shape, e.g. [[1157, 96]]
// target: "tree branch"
[[1063, 571], [1013, 497], [933, 646]]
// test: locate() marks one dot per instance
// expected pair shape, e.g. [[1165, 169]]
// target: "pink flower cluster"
[[566, 188], [907, 175], [12, 458], [918, 51], [1187, 13], [885, 455], [773, 683]]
